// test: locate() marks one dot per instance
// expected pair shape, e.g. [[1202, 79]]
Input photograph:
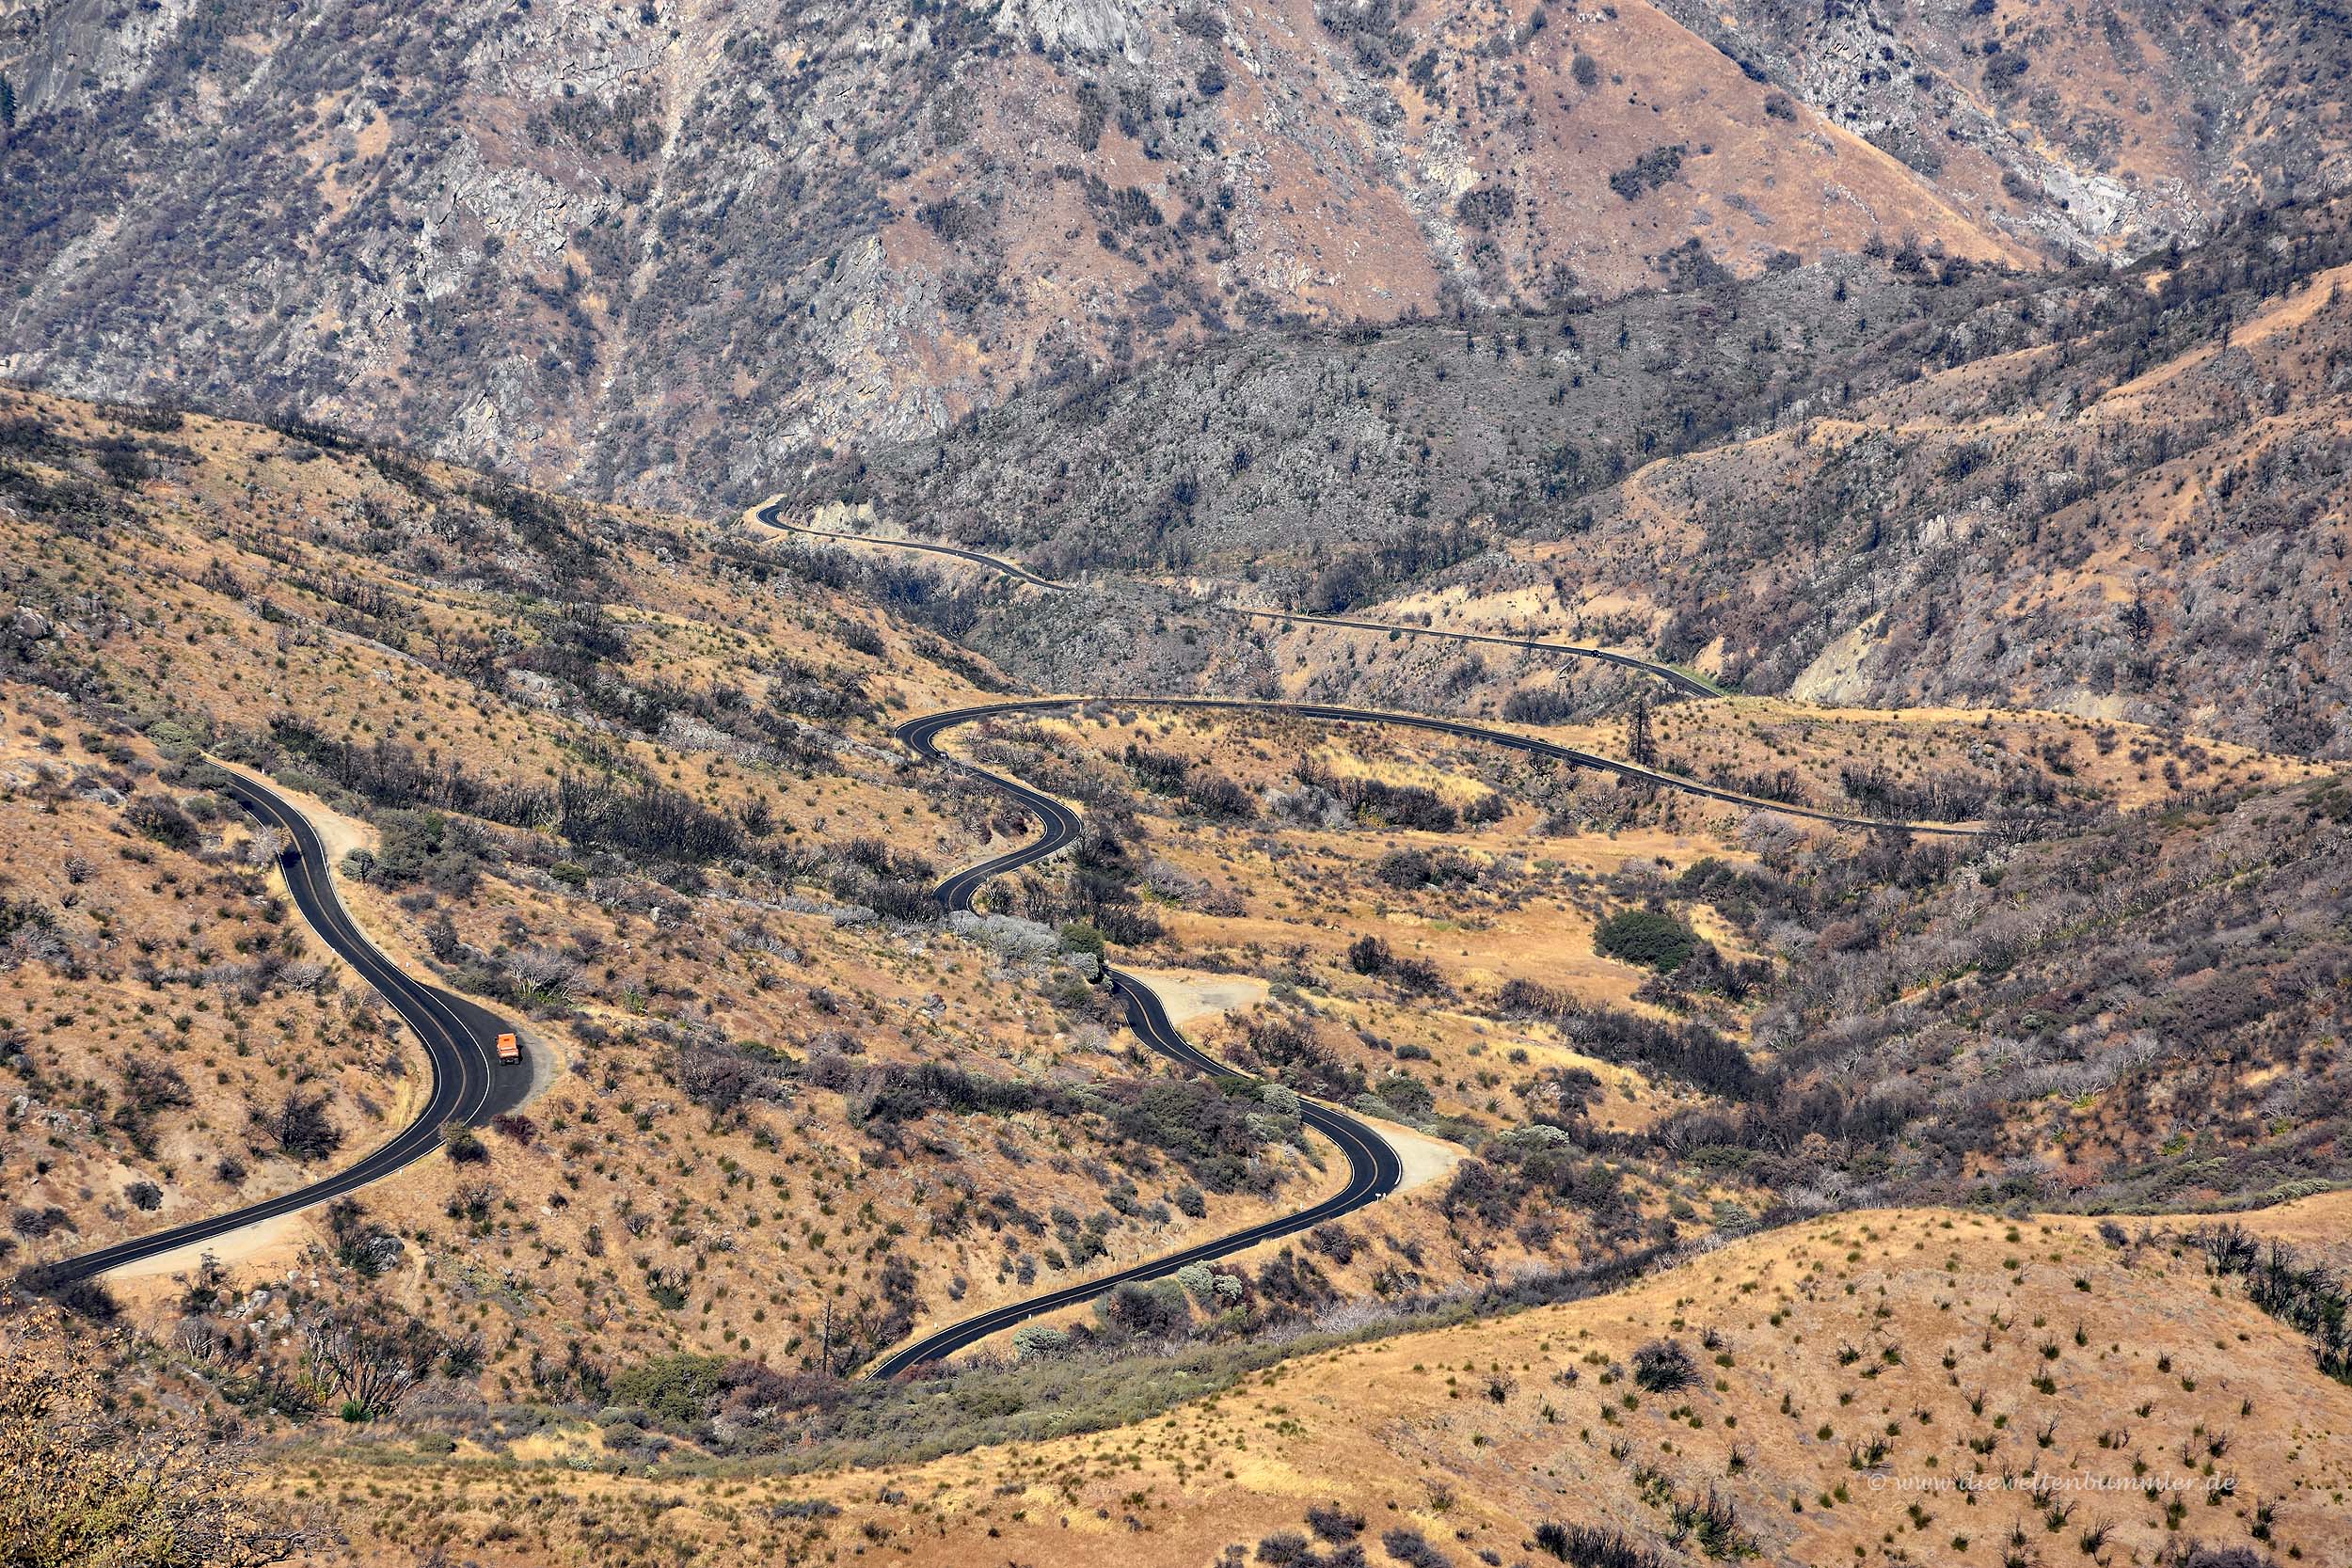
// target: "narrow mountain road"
[[470, 1085], [1507, 738], [1374, 1167], [765, 515], [1679, 680]]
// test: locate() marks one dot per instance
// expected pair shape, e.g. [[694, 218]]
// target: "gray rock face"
[[1968, 99], [382, 1252], [1096, 27], [673, 253]]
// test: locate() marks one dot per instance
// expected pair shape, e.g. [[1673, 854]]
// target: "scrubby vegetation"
[[634, 783]]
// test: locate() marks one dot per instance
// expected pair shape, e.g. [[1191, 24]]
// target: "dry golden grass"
[[1269, 896], [221, 602], [249, 575], [2009, 1368]]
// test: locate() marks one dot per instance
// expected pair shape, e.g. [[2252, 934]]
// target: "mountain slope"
[[2117, 129], [629, 249], [2119, 493], [630, 786], [1901, 1386]]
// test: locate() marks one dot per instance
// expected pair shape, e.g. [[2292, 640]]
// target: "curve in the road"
[[1683, 681], [1530, 745], [1373, 1167], [469, 1084], [766, 514]]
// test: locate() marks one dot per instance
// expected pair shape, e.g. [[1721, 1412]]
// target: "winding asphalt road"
[[469, 1086], [927, 727], [1373, 1168], [1681, 680], [766, 514]]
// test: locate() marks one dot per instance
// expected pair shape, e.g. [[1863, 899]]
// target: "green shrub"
[[1646, 936], [676, 1389], [1647, 172]]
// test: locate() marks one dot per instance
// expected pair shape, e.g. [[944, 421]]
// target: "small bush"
[[1333, 1523], [1286, 1549], [804, 1508], [1648, 937], [300, 1126], [1585, 1546], [1647, 172], [1411, 1548], [1663, 1366], [678, 1389], [86, 1298], [153, 816]]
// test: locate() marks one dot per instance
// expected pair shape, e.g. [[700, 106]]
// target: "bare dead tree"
[[371, 1364], [265, 847], [1640, 747]]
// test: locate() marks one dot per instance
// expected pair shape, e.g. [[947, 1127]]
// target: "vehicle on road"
[[466, 1088]]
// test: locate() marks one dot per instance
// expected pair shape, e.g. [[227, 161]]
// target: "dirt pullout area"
[[1189, 996], [1426, 1159], [339, 834], [259, 1249]]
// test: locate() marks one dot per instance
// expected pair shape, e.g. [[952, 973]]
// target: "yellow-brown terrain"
[[166, 1005], [1322, 783], [1886, 1385], [1657, 1068]]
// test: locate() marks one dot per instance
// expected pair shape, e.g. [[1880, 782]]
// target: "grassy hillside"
[[632, 780], [600, 773], [1893, 1386]]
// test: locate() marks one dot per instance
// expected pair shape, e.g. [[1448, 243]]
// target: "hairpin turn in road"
[[1373, 1169], [468, 1084]]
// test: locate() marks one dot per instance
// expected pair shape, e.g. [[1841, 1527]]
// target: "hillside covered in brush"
[[1889, 481]]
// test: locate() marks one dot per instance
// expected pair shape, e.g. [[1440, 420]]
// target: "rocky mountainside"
[[661, 250], [2115, 128], [1273, 455], [2117, 493]]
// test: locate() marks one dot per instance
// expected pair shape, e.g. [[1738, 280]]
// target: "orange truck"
[[508, 1049]]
